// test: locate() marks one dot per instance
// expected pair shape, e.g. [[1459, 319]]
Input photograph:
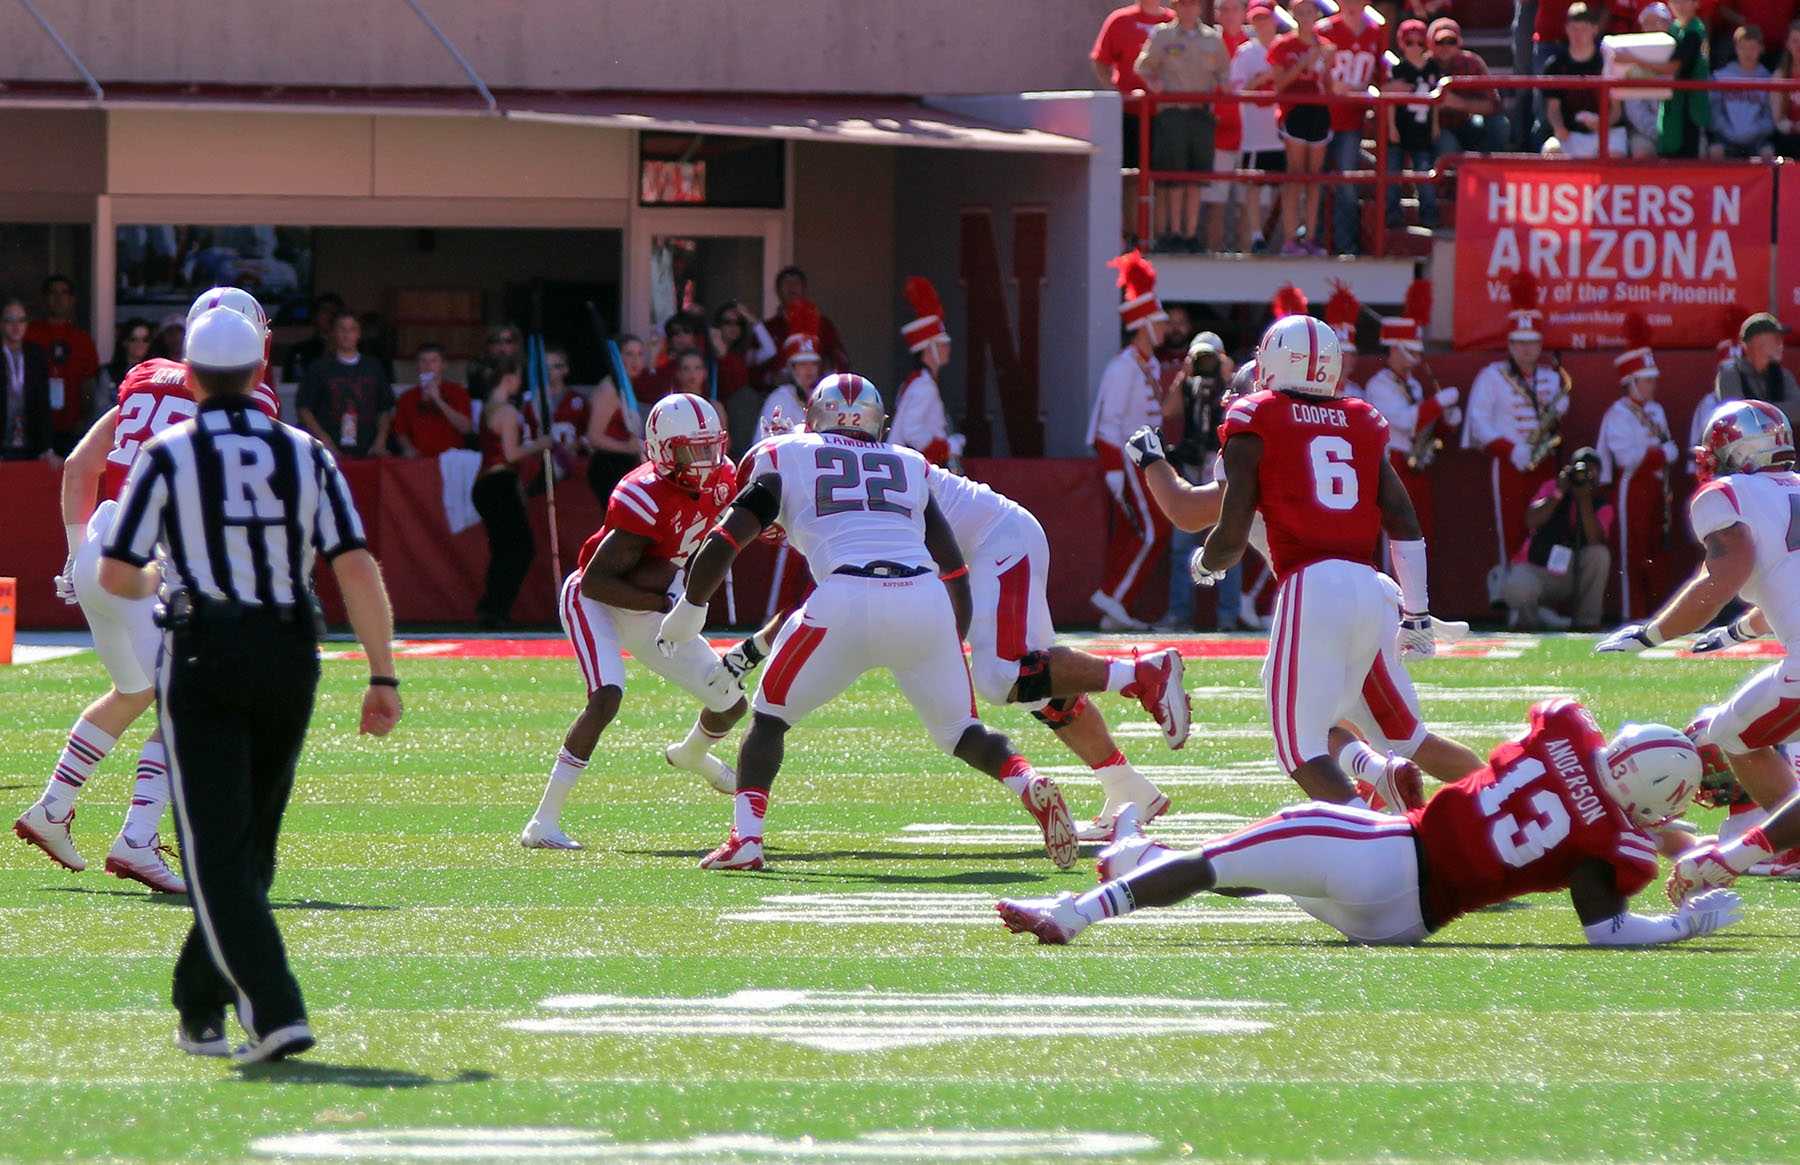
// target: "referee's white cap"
[[221, 340]]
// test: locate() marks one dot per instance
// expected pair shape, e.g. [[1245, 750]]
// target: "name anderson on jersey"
[[1575, 779]]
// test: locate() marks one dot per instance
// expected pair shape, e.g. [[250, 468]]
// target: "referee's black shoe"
[[277, 1045], [202, 1036]]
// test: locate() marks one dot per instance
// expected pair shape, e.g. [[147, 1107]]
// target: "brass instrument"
[[1547, 439], [1426, 441]]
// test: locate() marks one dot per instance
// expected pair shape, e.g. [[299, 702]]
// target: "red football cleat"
[[738, 853], [1157, 684], [1045, 802]]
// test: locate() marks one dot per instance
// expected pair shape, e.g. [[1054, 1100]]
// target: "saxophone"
[[1426, 443], [1546, 438]]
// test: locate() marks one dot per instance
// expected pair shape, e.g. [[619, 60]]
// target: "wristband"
[[1652, 636], [722, 532], [384, 682], [951, 576]]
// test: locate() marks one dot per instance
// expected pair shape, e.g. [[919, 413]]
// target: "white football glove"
[[1521, 458], [1719, 638], [65, 582], [741, 660], [777, 425], [1416, 640], [1709, 911], [1145, 447], [1631, 637], [1201, 575], [683, 623]]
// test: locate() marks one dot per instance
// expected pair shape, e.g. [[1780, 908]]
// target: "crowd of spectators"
[[1303, 50]]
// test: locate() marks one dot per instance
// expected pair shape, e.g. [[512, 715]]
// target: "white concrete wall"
[[819, 46]]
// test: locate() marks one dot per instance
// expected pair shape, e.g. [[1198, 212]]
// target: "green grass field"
[[857, 1001]]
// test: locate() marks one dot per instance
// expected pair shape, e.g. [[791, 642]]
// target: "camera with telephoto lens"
[[1581, 472]]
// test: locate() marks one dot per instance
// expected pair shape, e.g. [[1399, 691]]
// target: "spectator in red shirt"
[[682, 334], [73, 363], [614, 447], [1469, 120], [1300, 64], [791, 284], [434, 415], [1228, 138], [1355, 67], [1116, 49], [741, 345]]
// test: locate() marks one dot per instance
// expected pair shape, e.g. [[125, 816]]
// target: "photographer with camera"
[[1565, 558], [1203, 388]]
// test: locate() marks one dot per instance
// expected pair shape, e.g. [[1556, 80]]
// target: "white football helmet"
[[846, 402], [684, 439], [1744, 436], [1300, 354], [221, 340], [1652, 771], [234, 298]]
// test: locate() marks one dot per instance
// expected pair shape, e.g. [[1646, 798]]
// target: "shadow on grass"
[[785, 857], [321, 904], [351, 1075], [965, 878], [154, 897]]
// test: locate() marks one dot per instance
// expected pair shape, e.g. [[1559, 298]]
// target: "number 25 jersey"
[[154, 396], [1523, 824], [846, 501], [1319, 481]]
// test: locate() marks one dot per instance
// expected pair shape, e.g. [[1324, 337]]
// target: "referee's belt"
[[184, 610], [883, 570]]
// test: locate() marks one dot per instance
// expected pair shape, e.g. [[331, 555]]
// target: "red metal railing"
[[1382, 177]]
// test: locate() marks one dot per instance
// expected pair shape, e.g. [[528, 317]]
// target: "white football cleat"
[[1045, 802], [147, 863], [1102, 826], [738, 853], [1113, 615], [718, 774], [541, 835], [1401, 785], [1157, 682], [36, 826], [1783, 865], [277, 1045], [1054, 920], [1130, 849]]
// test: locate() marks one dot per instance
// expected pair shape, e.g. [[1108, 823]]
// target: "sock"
[[1015, 774], [563, 775], [699, 742], [1119, 675], [86, 748], [149, 795], [1108, 901], [1116, 760], [747, 811], [1361, 762]]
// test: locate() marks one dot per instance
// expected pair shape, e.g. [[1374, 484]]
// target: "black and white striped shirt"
[[236, 504]]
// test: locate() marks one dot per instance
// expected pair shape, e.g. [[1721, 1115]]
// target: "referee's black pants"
[[233, 699]]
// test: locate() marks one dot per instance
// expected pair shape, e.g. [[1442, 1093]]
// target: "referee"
[[236, 505]]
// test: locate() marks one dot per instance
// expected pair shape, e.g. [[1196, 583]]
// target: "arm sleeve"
[[1479, 429], [765, 344], [1409, 571], [1635, 930], [1109, 406], [337, 527], [142, 502]]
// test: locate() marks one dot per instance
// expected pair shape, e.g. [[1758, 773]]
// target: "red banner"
[[1787, 249], [1684, 244]]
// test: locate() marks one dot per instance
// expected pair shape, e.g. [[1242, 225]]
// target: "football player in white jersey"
[[1014, 658], [1742, 514], [892, 593], [154, 396]]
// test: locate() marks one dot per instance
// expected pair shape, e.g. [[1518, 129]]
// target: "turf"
[[620, 1004]]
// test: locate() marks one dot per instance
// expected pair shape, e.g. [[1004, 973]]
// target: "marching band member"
[[1636, 457], [1416, 416], [919, 421], [1515, 416]]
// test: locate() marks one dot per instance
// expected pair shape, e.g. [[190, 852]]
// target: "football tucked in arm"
[[652, 574]]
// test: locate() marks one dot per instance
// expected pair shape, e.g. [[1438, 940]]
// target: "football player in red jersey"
[[657, 515], [1314, 467], [153, 396], [1557, 809]]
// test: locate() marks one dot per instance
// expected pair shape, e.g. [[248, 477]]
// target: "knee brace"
[[1034, 678], [1061, 712]]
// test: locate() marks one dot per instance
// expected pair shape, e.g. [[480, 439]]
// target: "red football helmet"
[[1744, 436], [684, 440]]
